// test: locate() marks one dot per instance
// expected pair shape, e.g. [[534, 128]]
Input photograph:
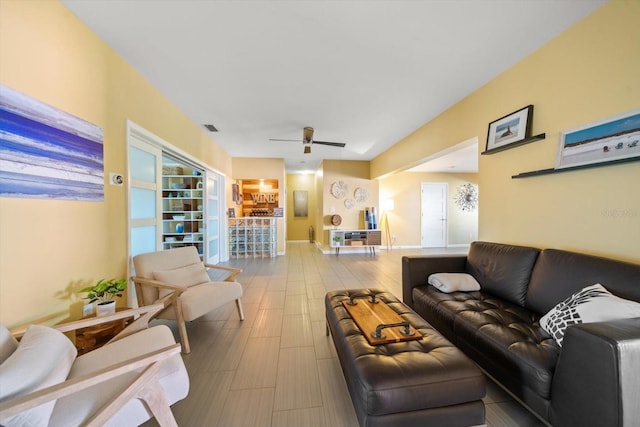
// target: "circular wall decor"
[[348, 203], [467, 197], [361, 194], [339, 189], [336, 220]]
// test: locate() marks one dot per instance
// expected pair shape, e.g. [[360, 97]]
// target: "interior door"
[[145, 161], [434, 215], [144, 201]]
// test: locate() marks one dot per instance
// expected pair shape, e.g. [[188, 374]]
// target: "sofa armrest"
[[416, 270], [596, 378]]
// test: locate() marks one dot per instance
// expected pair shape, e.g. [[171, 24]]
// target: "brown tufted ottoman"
[[412, 383]]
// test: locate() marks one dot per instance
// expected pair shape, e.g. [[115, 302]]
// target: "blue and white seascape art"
[[48, 153]]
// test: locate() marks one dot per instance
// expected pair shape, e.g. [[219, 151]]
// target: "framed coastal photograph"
[[611, 139], [47, 153], [510, 129]]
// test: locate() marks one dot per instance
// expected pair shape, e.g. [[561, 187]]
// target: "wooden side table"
[[96, 336]]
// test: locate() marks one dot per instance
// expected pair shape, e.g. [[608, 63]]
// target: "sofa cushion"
[[502, 270], [189, 275], [43, 358], [559, 274], [74, 409], [502, 337], [592, 304], [8, 343]]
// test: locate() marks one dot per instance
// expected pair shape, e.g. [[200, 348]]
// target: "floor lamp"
[[388, 206]]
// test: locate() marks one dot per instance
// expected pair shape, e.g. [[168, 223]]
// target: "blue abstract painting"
[[48, 153]]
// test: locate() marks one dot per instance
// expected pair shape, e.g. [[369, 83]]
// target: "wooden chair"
[[180, 275], [134, 377]]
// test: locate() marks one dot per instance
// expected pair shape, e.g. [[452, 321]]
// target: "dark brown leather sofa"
[[592, 380]]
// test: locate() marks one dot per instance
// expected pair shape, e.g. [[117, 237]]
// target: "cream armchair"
[[185, 284], [134, 377]]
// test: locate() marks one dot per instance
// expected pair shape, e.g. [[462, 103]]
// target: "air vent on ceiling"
[[211, 128]]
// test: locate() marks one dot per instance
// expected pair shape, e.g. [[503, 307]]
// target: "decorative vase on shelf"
[[105, 308], [179, 228]]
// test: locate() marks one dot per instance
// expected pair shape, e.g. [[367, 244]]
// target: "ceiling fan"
[[307, 140]]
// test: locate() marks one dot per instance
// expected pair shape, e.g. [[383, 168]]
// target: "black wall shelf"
[[573, 168], [515, 144]]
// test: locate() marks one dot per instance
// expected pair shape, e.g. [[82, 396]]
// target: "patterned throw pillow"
[[591, 304]]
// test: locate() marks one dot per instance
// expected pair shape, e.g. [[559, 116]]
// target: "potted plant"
[[104, 292]]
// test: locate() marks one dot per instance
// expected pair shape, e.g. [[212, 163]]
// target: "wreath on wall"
[[339, 189], [467, 197]]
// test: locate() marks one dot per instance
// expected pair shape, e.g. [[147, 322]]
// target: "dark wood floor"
[[277, 367]]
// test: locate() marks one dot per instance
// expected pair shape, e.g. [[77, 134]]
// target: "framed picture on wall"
[[47, 153], [510, 129], [300, 204], [611, 139]]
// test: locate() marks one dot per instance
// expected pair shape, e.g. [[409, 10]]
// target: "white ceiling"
[[366, 73]]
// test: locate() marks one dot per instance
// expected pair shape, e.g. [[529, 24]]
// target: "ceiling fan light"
[[307, 134], [307, 149]]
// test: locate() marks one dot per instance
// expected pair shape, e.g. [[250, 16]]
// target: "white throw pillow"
[[453, 282], [591, 304], [43, 358], [189, 275]]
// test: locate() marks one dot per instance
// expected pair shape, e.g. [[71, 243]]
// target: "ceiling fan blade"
[[288, 140], [333, 144]]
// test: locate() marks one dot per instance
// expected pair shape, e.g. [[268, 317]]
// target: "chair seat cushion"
[[74, 409], [200, 299], [43, 358]]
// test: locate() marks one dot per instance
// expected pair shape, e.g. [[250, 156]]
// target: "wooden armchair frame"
[[174, 298], [144, 387]]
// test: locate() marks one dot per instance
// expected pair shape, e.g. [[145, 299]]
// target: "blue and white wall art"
[[48, 153]]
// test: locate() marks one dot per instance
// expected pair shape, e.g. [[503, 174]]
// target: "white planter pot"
[[105, 308]]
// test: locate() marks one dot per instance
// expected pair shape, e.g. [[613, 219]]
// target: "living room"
[[586, 74]]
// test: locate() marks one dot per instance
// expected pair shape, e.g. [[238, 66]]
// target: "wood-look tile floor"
[[277, 367]]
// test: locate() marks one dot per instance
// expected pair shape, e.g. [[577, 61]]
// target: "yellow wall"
[[257, 168], [298, 227], [404, 189], [47, 246], [355, 174], [588, 73]]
